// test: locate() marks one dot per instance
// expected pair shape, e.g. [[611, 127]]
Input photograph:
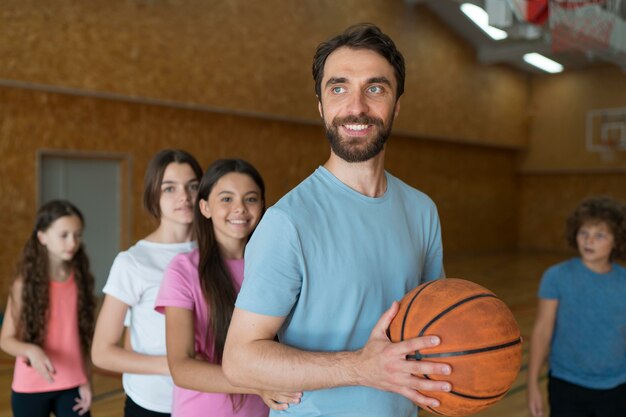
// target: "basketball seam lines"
[[418, 356], [432, 410], [449, 354], [409, 307], [473, 397], [452, 307]]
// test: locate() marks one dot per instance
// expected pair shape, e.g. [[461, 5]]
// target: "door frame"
[[126, 199]]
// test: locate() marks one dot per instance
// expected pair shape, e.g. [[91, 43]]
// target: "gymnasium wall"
[[558, 171], [255, 57], [473, 186], [546, 199], [232, 78]]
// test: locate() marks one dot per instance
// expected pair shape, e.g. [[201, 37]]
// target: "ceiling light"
[[543, 63], [481, 18]]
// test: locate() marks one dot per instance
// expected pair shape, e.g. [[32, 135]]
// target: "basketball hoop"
[[606, 132], [607, 154], [581, 25]]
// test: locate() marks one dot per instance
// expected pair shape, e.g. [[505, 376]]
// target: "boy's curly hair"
[[600, 209]]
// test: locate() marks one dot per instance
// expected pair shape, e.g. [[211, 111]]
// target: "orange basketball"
[[480, 339]]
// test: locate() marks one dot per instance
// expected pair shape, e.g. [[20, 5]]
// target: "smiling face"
[[235, 207], [595, 243], [62, 238], [358, 103], [179, 189]]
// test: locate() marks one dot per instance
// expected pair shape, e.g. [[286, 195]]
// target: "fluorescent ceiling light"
[[481, 18], [543, 63]]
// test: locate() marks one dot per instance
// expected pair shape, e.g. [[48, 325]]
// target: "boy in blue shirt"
[[581, 321]]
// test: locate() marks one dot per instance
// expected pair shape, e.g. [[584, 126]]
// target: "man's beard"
[[353, 153]]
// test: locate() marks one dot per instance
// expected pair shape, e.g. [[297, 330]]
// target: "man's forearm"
[[269, 365]]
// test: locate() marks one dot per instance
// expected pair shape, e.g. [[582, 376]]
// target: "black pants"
[[41, 404], [132, 409], [570, 400]]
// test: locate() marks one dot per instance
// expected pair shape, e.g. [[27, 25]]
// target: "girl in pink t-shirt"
[[50, 318], [198, 296]]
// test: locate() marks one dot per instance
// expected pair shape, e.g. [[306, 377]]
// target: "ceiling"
[[525, 37]]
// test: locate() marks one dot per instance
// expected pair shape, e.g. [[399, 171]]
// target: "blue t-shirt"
[[331, 261], [589, 340]]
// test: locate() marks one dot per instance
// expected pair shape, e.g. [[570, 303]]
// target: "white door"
[[94, 186]]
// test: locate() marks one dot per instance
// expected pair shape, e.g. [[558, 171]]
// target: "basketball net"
[[606, 132], [581, 25], [610, 149]]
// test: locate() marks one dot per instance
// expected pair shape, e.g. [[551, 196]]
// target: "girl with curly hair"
[[50, 318], [170, 188], [581, 320]]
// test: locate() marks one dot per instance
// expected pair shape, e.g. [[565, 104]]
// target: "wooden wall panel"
[[256, 57], [559, 106], [475, 189], [557, 171], [546, 200], [473, 186], [232, 78]]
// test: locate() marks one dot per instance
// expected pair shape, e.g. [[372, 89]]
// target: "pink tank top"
[[62, 345]]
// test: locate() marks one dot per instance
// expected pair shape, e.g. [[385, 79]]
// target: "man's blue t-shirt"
[[589, 340], [331, 261]]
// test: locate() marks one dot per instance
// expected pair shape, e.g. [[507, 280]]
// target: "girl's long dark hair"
[[33, 270], [215, 280]]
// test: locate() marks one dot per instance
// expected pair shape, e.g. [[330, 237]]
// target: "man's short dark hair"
[[361, 36]]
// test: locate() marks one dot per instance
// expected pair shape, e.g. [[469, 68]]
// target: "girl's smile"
[[235, 207]]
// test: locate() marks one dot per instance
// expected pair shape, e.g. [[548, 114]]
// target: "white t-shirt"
[[135, 279]]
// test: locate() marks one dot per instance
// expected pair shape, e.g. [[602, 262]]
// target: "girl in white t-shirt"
[[170, 188]]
